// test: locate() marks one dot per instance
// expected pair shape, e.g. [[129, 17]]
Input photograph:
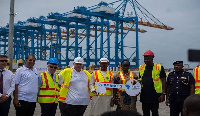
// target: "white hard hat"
[[104, 60], [78, 60]]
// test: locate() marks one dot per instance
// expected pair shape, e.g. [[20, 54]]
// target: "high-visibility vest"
[[48, 92], [197, 79], [99, 78], [66, 75], [123, 79], [155, 76]]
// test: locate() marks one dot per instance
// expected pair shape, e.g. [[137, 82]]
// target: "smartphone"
[[194, 55]]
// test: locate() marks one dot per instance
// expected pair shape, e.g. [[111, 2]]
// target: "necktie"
[[1, 81], [52, 77]]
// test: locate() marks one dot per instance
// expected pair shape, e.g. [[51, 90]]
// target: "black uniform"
[[179, 89], [149, 96]]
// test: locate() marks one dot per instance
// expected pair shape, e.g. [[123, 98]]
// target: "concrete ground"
[[163, 110]]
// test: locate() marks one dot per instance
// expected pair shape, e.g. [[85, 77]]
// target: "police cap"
[[178, 62]]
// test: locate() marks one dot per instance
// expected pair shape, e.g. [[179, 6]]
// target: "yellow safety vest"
[[155, 76], [197, 79], [99, 78], [48, 92], [66, 75], [123, 79]]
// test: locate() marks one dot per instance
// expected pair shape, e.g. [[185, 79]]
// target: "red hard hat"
[[148, 53]]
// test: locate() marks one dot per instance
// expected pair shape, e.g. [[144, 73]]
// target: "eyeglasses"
[[31, 60], [53, 67], [3, 60]]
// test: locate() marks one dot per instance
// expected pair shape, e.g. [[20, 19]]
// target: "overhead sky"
[[168, 46]]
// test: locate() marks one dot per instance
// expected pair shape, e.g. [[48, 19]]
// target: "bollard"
[[14, 62], [8, 64], [20, 64]]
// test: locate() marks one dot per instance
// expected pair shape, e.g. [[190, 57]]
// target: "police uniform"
[[179, 89]]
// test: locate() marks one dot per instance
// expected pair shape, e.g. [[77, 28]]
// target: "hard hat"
[[53, 61], [78, 60], [148, 53], [104, 60]]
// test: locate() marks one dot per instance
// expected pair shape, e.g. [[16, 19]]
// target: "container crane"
[[90, 32]]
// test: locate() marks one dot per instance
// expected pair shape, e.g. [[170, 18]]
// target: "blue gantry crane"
[[102, 30]]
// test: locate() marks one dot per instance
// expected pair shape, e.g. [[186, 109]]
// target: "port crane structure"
[[103, 30]]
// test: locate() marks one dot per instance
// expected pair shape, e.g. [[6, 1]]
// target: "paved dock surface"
[[163, 110]]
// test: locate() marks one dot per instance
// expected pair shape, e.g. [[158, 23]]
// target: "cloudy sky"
[[168, 46]]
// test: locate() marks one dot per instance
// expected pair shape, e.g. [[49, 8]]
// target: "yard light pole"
[[11, 33]]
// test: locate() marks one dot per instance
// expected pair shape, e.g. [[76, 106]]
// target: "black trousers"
[[147, 107], [176, 108], [26, 108], [4, 107], [71, 110], [48, 109]]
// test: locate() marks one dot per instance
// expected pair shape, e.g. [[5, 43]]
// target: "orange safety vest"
[[99, 78], [48, 92], [123, 79], [155, 76], [197, 79]]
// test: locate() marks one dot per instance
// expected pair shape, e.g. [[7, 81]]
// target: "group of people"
[[73, 88], [176, 87]]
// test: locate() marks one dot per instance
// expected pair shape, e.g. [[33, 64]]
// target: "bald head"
[[192, 105]]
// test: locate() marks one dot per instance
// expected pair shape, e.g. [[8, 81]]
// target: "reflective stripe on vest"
[[99, 78], [123, 79], [197, 79], [66, 75], [48, 92], [155, 76]]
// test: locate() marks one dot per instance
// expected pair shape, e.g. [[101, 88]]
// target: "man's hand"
[[112, 102], [161, 98], [95, 93], [138, 94], [167, 103], [1, 101], [16, 102], [3, 97]]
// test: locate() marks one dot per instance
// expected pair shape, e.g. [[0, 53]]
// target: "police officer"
[[180, 84]]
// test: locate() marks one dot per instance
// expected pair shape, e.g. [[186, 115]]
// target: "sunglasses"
[[53, 67], [3, 60]]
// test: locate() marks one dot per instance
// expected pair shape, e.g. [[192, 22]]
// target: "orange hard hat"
[[148, 53]]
